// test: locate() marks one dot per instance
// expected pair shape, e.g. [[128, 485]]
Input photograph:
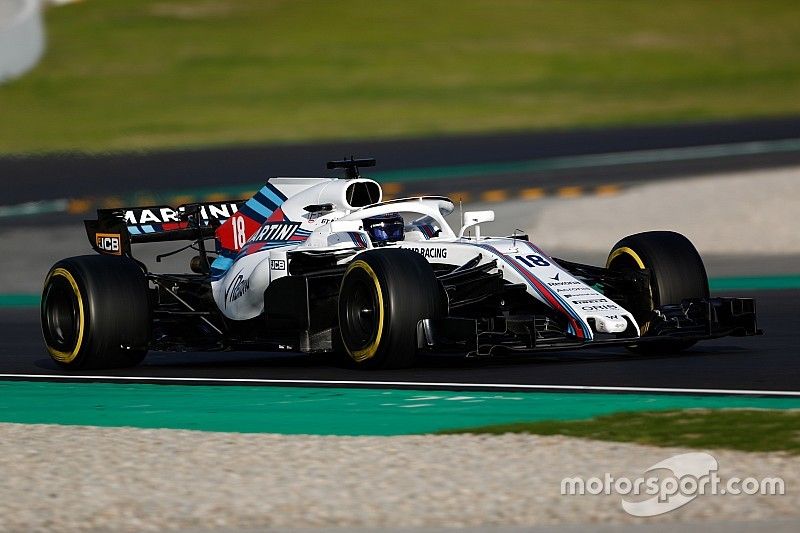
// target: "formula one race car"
[[324, 265]]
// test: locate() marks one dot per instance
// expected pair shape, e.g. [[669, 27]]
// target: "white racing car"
[[324, 265]]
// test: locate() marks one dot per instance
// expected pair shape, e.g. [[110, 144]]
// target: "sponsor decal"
[[594, 301], [576, 325], [109, 243], [580, 295], [237, 288], [277, 264], [319, 218], [603, 307], [431, 253], [233, 234], [562, 283], [556, 278], [277, 231], [161, 215]]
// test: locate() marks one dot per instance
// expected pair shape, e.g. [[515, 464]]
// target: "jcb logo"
[[108, 242]]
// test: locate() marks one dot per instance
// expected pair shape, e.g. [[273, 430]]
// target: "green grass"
[[132, 74], [747, 430]]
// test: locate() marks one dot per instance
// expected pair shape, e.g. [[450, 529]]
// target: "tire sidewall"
[[676, 268], [115, 328], [409, 292], [676, 271], [70, 356], [361, 271]]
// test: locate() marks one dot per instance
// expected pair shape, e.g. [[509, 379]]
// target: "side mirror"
[[473, 218]]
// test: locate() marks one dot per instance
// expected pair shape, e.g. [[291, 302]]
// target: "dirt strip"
[[62, 478]]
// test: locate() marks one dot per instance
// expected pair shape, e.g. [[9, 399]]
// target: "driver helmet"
[[384, 228]]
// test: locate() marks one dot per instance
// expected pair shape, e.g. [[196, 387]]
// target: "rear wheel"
[[383, 296], [95, 312], [676, 273]]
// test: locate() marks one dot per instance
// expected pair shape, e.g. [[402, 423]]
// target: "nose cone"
[[610, 324]]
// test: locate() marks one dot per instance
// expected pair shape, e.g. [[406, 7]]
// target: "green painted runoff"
[[322, 411]]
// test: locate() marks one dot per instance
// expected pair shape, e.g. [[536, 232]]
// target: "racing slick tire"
[[383, 296], [676, 272], [95, 312]]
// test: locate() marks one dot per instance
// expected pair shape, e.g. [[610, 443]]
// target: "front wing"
[[691, 320]]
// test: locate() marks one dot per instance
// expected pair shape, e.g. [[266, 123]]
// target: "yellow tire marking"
[[68, 357], [625, 250], [369, 351], [628, 251]]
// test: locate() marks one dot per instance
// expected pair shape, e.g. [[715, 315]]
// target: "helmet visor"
[[386, 230]]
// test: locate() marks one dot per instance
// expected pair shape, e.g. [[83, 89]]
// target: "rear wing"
[[116, 229]]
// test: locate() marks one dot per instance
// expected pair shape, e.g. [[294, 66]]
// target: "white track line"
[[736, 392]]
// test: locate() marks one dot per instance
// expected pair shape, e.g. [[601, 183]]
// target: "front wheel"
[[95, 312], [383, 296], [676, 273]]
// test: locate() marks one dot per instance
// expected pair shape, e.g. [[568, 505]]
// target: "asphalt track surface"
[[769, 363], [74, 174]]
